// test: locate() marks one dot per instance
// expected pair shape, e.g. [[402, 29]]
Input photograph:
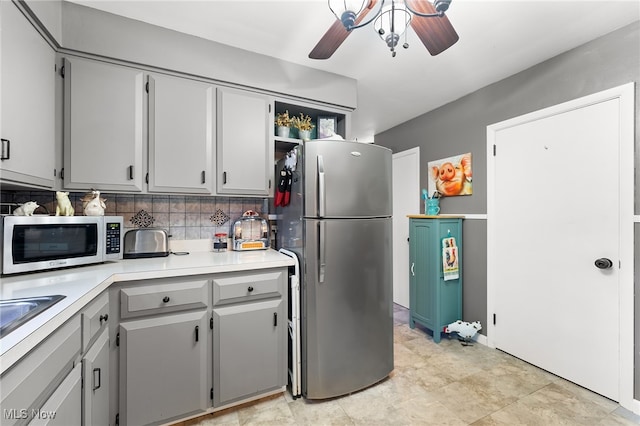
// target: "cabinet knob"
[[250, 289], [166, 299], [104, 318]]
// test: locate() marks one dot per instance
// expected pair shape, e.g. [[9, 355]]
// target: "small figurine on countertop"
[[64, 207], [93, 204], [466, 330], [26, 209]]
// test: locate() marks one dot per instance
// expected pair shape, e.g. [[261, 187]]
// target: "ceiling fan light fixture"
[[441, 6], [347, 10], [436, 34], [392, 22]]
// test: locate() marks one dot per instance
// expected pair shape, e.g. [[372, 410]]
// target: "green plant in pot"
[[304, 125], [283, 123]]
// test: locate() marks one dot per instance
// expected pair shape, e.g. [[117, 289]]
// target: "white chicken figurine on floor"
[[466, 330]]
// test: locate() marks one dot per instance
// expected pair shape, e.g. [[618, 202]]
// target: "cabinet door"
[[181, 135], [245, 150], [163, 368], [249, 350], [64, 407], [423, 257], [104, 126], [28, 383], [27, 119], [95, 370]]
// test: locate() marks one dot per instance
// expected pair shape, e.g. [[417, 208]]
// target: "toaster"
[[145, 242], [250, 232]]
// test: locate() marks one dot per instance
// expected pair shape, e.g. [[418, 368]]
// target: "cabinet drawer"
[[244, 287], [94, 319], [160, 298], [32, 379]]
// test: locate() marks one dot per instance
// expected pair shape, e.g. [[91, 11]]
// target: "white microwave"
[[37, 243]]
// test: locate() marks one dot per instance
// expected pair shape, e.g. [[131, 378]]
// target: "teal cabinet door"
[[433, 301]]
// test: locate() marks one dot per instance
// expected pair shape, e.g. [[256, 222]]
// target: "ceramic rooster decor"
[[93, 204], [466, 330], [64, 207]]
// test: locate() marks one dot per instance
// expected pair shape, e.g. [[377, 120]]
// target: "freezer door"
[[347, 339], [346, 179]]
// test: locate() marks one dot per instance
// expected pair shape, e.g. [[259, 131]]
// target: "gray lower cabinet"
[[249, 335], [247, 350], [95, 392], [163, 365], [64, 407], [49, 369]]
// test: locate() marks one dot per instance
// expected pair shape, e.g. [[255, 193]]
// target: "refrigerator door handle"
[[321, 251], [321, 187]]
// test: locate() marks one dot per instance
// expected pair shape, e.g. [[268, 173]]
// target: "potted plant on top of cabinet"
[[304, 126], [283, 123]]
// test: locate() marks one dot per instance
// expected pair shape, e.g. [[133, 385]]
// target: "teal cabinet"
[[433, 301]]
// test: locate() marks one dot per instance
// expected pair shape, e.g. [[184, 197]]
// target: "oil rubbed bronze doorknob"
[[603, 263]]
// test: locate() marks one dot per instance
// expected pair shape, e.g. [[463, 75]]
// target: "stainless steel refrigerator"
[[338, 223]]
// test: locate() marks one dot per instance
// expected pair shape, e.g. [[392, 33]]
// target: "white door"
[[555, 208], [406, 200]]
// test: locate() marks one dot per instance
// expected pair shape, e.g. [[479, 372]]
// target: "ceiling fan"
[[428, 20]]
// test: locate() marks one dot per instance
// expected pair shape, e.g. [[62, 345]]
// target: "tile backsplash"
[[184, 217]]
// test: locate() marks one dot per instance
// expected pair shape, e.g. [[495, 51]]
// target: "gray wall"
[[460, 126], [89, 30]]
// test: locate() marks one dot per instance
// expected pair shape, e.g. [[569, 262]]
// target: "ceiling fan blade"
[[335, 35], [437, 33]]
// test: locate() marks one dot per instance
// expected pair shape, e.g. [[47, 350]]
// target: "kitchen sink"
[[15, 312]]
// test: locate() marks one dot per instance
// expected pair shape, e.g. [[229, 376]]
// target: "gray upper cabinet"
[[244, 149], [27, 120], [104, 126], [181, 135]]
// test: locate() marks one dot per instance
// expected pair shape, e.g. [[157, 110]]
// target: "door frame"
[[401, 265], [626, 96]]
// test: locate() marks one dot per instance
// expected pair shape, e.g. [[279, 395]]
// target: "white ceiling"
[[497, 39]]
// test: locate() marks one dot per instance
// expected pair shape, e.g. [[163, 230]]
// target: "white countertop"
[[82, 284]]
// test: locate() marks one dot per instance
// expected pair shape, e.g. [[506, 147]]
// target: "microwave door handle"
[[321, 187], [321, 250]]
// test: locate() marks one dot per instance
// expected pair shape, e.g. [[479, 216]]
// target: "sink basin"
[[15, 312]]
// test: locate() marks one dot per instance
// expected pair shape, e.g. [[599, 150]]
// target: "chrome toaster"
[[145, 242], [250, 232]]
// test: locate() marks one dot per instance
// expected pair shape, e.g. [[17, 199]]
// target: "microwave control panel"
[[112, 241]]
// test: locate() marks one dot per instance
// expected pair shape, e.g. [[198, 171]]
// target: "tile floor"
[[440, 384]]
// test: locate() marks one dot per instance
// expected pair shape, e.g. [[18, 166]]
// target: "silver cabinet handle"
[[5, 152], [321, 187], [413, 273], [97, 379]]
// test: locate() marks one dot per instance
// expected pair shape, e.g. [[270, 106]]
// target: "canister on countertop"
[[220, 242]]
